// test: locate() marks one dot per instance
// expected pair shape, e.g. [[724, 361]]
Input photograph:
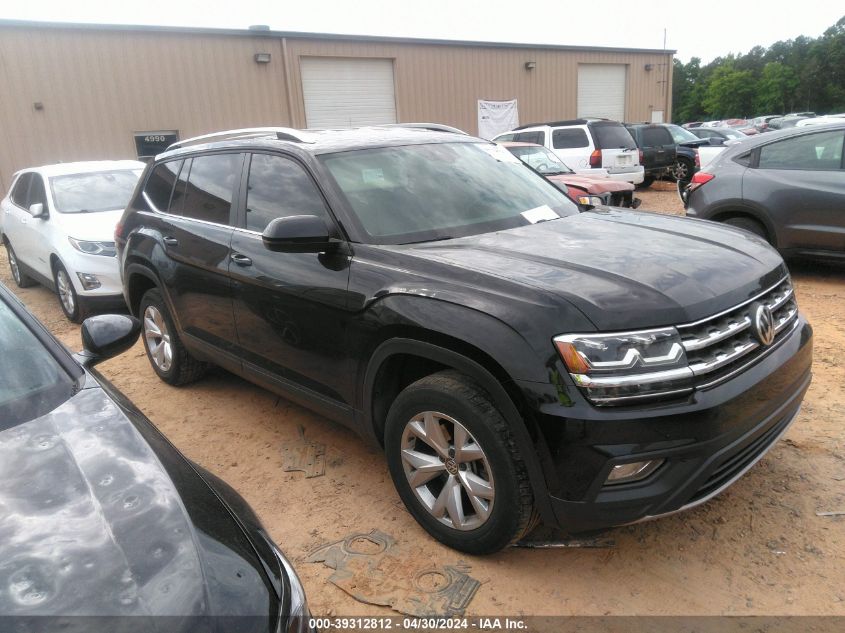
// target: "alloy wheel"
[[65, 291], [681, 171], [158, 338], [447, 470]]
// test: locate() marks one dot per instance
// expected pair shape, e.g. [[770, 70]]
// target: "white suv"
[[57, 223], [586, 145]]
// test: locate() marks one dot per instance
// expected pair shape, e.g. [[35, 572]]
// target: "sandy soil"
[[759, 548]]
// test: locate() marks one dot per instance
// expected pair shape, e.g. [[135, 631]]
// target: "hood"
[[91, 524], [623, 269], [591, 185], [95, 227]]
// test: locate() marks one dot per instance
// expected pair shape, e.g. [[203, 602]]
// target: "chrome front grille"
[[719, 346]]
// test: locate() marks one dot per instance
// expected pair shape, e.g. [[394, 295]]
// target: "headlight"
[[106, 249], [296, 620], [627, 366]]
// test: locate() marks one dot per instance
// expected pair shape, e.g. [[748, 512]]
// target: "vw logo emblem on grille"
[[763, 324]]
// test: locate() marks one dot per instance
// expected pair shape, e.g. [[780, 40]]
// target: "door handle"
[[240, 260], [171, 241]]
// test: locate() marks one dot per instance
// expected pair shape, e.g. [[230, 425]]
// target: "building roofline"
[[190, 30]]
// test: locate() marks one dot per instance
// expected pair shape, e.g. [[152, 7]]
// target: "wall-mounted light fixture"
[[530, 65], [262, 58], [649, 66]]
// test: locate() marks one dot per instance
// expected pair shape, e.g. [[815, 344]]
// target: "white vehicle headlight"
[[106, 249]]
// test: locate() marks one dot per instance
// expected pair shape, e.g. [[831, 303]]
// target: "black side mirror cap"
[[298, 234], [106, 335], [717, 140]]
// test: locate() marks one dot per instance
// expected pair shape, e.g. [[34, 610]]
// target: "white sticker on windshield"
[[501, 154], [540, 214]]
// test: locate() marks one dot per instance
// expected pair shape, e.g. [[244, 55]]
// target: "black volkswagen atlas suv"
[[518, 360]]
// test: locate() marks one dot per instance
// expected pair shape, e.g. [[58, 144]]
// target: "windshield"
[[680, 135], [33, 383], [543, 160], [419, 193], [96, 191]]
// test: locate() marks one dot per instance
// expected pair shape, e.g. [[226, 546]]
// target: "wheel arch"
[[138, 280], [739, 211], [426, 353]]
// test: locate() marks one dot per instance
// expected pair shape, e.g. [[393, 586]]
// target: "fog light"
[[88, 281], [626, 473]]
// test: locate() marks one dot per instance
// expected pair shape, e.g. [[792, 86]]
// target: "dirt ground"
[[759, 548]]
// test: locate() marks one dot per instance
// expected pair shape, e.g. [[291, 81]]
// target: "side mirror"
[[298, 234], [107, 335], [717, 140], [37, 210]]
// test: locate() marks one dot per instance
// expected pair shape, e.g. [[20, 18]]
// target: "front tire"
[[165, 351], [21, 278], [456, 466], [71, 303]]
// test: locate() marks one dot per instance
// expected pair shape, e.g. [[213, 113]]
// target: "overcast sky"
[[705, 29]]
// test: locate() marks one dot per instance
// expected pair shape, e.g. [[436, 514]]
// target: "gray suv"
[[788, 187]]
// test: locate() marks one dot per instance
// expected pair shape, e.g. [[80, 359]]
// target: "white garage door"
[[601, 91], [344, 92]]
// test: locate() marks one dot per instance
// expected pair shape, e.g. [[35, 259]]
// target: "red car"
[[579, 187]]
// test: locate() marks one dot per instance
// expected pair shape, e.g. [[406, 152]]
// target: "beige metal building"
[[79, 92]]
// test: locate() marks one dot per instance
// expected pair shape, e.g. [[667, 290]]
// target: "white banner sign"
[[496, 117]]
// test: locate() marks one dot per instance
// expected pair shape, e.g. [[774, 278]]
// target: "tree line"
[[804, 74]]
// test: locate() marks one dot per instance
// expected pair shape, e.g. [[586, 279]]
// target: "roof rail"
[[581, 121], [434, 127], [282, 134]]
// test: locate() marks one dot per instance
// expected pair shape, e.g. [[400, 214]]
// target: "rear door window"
[[210, 186], [278, 187], [159, 186], [570, 138], [20, 192], [612, 136], [812, 152], [656, 136]]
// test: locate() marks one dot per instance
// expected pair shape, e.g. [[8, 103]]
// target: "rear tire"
[[165, 351], [456, 465], [21, 278], [749, 224], [72, 304], [682, 170]]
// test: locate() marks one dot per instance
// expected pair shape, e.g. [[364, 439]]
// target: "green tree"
[[730, 92], [776, 89]]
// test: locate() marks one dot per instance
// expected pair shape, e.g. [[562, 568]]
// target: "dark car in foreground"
[[105, 526], [582, 188], [517, 359], [787, 187]]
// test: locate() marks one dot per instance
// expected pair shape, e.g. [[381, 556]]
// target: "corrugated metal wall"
[[98, 86]]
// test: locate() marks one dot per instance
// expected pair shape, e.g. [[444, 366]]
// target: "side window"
[[656, 136], [570, 138], [279, 187], [159, 184], [20, 192], [815, 152], [536, 137], [503, 138], [705, 134], [36, 191], [211, 182]]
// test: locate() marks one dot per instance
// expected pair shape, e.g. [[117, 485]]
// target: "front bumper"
[[707, 441]]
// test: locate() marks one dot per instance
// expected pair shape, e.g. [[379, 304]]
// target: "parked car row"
[[517, 356]]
